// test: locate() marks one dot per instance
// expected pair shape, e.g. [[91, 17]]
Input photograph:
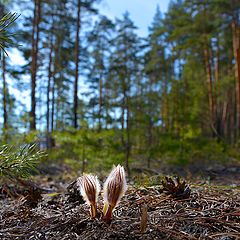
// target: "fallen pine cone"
[[176, 188]]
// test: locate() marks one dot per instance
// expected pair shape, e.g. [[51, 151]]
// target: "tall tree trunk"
[[125, 121], [224, 119], [236, 50], [128, 141], [53, 102], [150, 141], [106, 108], [232, 119], [49, 89], [122, 121], [231, 109], [5, 90], [100, 102], [54, 81], [75, 96], [49, 86], [218, 102], [209, 87], [5, 113], [34, 63]]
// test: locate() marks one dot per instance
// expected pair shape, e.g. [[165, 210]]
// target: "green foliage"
[[95, 150], [19, 162], [15, 138], [89, 150], [6, 38], [194, 151]]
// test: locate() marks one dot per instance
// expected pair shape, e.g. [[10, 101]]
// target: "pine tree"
[[99, 40], [6, 41], [34, 60], [124, 67], [157, 68], [86, 6]]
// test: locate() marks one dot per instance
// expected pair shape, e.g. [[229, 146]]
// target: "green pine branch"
[[19, 162], [6, 38]]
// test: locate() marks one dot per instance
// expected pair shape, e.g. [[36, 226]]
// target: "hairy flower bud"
[[89, 187], [113, 189]]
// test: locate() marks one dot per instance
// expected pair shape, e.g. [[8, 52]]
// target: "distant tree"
[[99, 39], [77, 46], [157, 70], [86, 6], [124, 69], [34, 59], [6, 41]]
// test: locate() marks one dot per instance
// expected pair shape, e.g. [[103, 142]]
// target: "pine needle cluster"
[[6, 38], [19, 161]]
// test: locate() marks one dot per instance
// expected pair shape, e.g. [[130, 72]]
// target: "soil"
[[211, 212]]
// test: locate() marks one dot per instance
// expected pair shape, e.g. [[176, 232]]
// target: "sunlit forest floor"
[[52, 208]]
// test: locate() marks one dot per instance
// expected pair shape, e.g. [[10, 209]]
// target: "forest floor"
[[212, 211]]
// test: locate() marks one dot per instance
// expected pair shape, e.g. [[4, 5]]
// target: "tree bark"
[[49, 89], [75, 97], [53, 102], [128, 141], [100, 102], [49, 86], [236, 50], [232, 119], [209, 86], [53, 85], [5, 113], [122, 121], [218, 102], [5, 90], [224, 119], [150, 142], [34, 63]]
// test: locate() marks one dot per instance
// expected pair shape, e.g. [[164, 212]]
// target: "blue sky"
[[141, 11]]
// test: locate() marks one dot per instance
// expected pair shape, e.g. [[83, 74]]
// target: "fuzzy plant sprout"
[[113, 189], [90, 187]]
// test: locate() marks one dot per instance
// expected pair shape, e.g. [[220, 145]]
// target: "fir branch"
[[19, 162]]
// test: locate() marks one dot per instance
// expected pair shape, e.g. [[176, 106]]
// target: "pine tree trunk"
[[232, 119], [48, 90], [231, 111], [53, 102], [209, 87], [236, 50], [224, 119], [150, 142], [53, 86], [218, 102], [122, 122], [5, 113], [128, 141], [34, 63], [5, 90], [100, 102], [75, 97]]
